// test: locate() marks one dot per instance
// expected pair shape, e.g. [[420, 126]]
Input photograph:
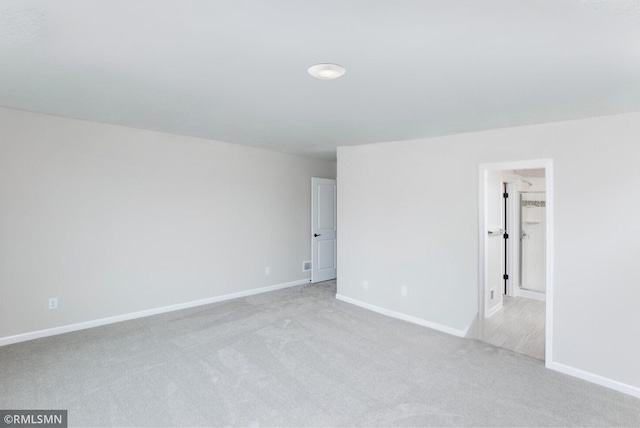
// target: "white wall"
[[113, 220], [405, 219]]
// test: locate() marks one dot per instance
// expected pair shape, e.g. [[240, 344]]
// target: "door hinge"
[[505, 195], [505, 276], [505, 236]]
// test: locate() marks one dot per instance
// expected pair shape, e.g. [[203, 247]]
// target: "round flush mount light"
[[326, 71]]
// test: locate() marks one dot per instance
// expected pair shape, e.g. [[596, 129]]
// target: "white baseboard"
[[531, 294], [405, 317], [110, 320], [597, 379], [493, 311]]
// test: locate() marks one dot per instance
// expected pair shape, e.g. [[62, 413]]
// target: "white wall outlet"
[[267, 270], [493, 293], [403, 291], [53, 303], [365, 284], [306, 266]]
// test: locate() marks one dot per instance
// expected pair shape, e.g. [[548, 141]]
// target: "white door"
[[323, 229], [495, 242]]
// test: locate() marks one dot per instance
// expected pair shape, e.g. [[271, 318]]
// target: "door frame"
[[483, 280], [314, 205]]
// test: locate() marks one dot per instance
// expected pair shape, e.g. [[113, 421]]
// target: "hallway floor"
[[518, 326]]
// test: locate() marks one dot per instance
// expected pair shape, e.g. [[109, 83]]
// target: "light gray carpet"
[[295, 357]]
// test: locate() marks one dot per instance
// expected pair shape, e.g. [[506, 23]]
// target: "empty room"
[[319, 213]]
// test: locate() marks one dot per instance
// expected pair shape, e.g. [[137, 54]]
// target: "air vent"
[[306, 266]]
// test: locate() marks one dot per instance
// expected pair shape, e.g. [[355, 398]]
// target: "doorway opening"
[[515, 257]]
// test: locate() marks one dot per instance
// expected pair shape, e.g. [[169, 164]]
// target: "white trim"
[[494, 310], [405, 317], [597, 379], [528, 294], [482, 248], [125, 317], [549, 288]]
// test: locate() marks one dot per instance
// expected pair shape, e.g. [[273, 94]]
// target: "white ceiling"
[[236, 70]]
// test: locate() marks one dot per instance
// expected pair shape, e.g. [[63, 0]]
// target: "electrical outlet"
[[493, 293], [267, 271], [403, 291], [365, 285], [53, 303]]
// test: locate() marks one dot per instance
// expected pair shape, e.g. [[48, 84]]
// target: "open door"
[[495, 243], [323, 229]]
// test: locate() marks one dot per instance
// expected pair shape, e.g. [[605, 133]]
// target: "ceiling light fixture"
[[326, 71]]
